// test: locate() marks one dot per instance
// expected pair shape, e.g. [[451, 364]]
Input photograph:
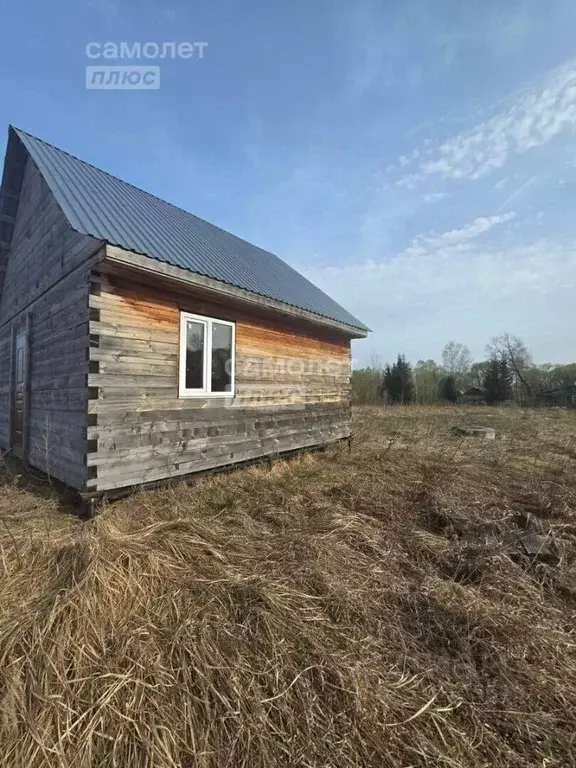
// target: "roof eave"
[[150, 265]]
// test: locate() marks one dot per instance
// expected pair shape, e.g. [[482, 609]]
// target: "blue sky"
[[415, 159]]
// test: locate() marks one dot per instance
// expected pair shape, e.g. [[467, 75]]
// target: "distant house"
[[562, 397], [474, 396], [139, 342]]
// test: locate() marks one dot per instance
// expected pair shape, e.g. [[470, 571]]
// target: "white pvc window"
[[207, 356]]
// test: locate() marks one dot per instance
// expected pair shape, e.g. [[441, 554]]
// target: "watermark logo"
[[122, 78], [134, 77]]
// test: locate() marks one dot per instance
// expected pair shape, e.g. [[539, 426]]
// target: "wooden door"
[[19, 392]]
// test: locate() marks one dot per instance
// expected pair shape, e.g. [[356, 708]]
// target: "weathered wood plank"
[[182, 442], [110, 482], [117, 417], [117, 257], [112, 356], [137, 346], [124, 331], [48, 280], [138, 368], [122, 405], [27, 385], [121, 420], [292, 386], [138, 385], [110, 302], [184, 462], [44, 248], [10, 400]]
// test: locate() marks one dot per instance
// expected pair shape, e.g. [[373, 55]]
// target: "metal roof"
[[98, 204]]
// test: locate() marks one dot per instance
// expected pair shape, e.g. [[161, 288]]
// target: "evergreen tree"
[[392, 384], [387, 383], [448, 390], [404, 372], [498, 380], [399, 382], [491, 381]]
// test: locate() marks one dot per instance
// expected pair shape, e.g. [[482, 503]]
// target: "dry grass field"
[[342, 609]]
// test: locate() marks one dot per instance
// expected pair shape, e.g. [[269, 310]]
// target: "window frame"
[[208, 323]]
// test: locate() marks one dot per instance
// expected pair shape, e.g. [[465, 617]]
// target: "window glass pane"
[[194, 355], [221, 358]]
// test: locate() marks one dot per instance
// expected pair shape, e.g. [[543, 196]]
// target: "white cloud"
[[407, 159], [434, 197], [478, 227], [410, 180], [454, 276], [417, 300], [536, 116]]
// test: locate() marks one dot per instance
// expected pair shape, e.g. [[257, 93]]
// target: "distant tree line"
[[508, 374]]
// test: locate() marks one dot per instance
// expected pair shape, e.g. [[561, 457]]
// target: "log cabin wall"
[[58, 397], [292, 385], [44, 248], [46, 289]]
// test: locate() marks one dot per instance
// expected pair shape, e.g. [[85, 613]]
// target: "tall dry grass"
[[338, 610]]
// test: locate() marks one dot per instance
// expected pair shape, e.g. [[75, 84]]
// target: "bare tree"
[[542, 377], [375, 363], [427, 377], [512, 349], [367, 382], [456, 361], [478, 373]]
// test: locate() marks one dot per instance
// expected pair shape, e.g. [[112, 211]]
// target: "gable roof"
[[566, 389], [106, 208]]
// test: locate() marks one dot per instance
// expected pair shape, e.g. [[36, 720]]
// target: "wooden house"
[[139, 343], [561, 397], [474, 396]]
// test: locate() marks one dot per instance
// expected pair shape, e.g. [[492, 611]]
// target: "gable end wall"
[[47, 281]]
